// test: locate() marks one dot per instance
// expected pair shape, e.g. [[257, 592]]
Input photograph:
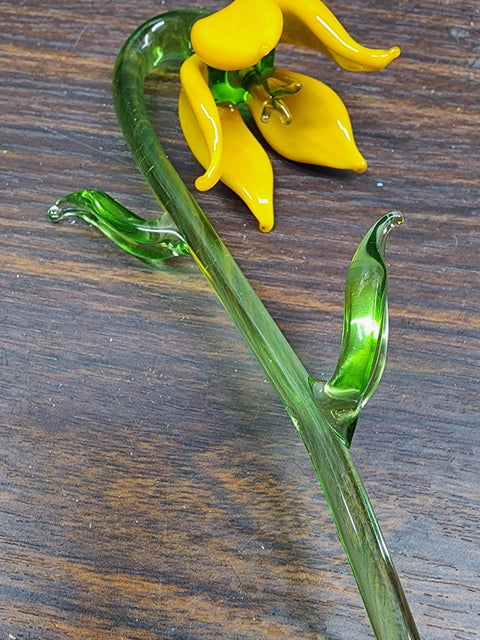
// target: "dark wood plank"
[[151, 484]]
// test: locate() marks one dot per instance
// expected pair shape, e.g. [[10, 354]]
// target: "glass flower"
[[299, 116], [323, 412]]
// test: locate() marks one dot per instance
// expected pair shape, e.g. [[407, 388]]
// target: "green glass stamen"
[[277, 90]]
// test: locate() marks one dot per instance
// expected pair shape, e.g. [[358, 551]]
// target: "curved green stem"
[[165, 41]]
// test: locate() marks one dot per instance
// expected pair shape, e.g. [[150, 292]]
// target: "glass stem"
[[164, 41]]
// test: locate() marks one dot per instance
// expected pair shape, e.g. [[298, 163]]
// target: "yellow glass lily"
[[300, 117]]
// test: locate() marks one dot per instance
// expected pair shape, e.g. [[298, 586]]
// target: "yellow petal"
[[319, 132], [239, 35], [246, 168], [205, 113], [311, 24]]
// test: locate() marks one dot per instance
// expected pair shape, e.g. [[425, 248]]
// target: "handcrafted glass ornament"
[[324, 413]]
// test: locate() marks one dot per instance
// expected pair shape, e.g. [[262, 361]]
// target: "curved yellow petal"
[[311, 24], [205, 113], [246, 168], [239, 35], [318, 129]]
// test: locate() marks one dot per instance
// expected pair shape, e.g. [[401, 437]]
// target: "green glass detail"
[[276, 89], [232, 87], [365, 333], [226, 86], [256, 75], [163, 41], [150, 240]]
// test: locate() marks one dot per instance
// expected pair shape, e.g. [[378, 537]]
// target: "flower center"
[[261, 81]]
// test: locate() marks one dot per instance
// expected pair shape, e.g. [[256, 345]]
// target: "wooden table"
[[152, 486]]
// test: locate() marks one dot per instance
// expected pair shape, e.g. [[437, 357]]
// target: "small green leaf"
[[150, 240], [365, 332]]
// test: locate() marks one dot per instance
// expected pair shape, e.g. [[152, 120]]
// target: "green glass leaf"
[[150, 240], [365, 333]]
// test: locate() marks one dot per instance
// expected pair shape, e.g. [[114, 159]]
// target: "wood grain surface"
[[152, 486]]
